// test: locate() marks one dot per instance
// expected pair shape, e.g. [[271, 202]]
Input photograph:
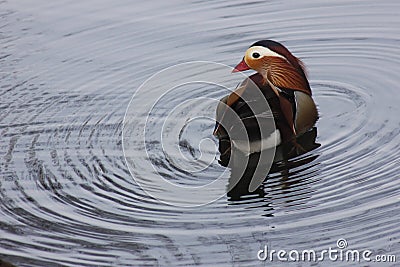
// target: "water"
[[68, 71]]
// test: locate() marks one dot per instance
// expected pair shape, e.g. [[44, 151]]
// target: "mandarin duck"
[[283, 83]]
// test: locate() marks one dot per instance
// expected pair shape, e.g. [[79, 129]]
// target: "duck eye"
[[256, 55]]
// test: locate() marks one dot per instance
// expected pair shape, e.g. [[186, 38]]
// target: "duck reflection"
[[286, 157], [287, 181]]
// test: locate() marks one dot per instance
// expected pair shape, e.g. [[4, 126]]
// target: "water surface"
[[68, 71]]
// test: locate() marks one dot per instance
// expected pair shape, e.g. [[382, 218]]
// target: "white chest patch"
[[256, 146]]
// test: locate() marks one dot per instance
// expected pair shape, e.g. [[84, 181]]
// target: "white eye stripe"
[[263, 51]]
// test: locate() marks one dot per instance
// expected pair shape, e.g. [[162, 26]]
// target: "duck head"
[[278, 67]]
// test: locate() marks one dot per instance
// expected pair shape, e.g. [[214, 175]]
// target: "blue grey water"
[[68, 71]]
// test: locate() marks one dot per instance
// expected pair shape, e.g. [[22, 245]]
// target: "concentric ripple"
[[68, 71]]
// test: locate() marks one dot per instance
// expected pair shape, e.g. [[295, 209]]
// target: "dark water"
[[68, 71]]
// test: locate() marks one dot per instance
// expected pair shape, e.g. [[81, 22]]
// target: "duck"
[[281, 79]]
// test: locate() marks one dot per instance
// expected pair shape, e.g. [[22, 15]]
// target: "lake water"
[[68, 72]]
